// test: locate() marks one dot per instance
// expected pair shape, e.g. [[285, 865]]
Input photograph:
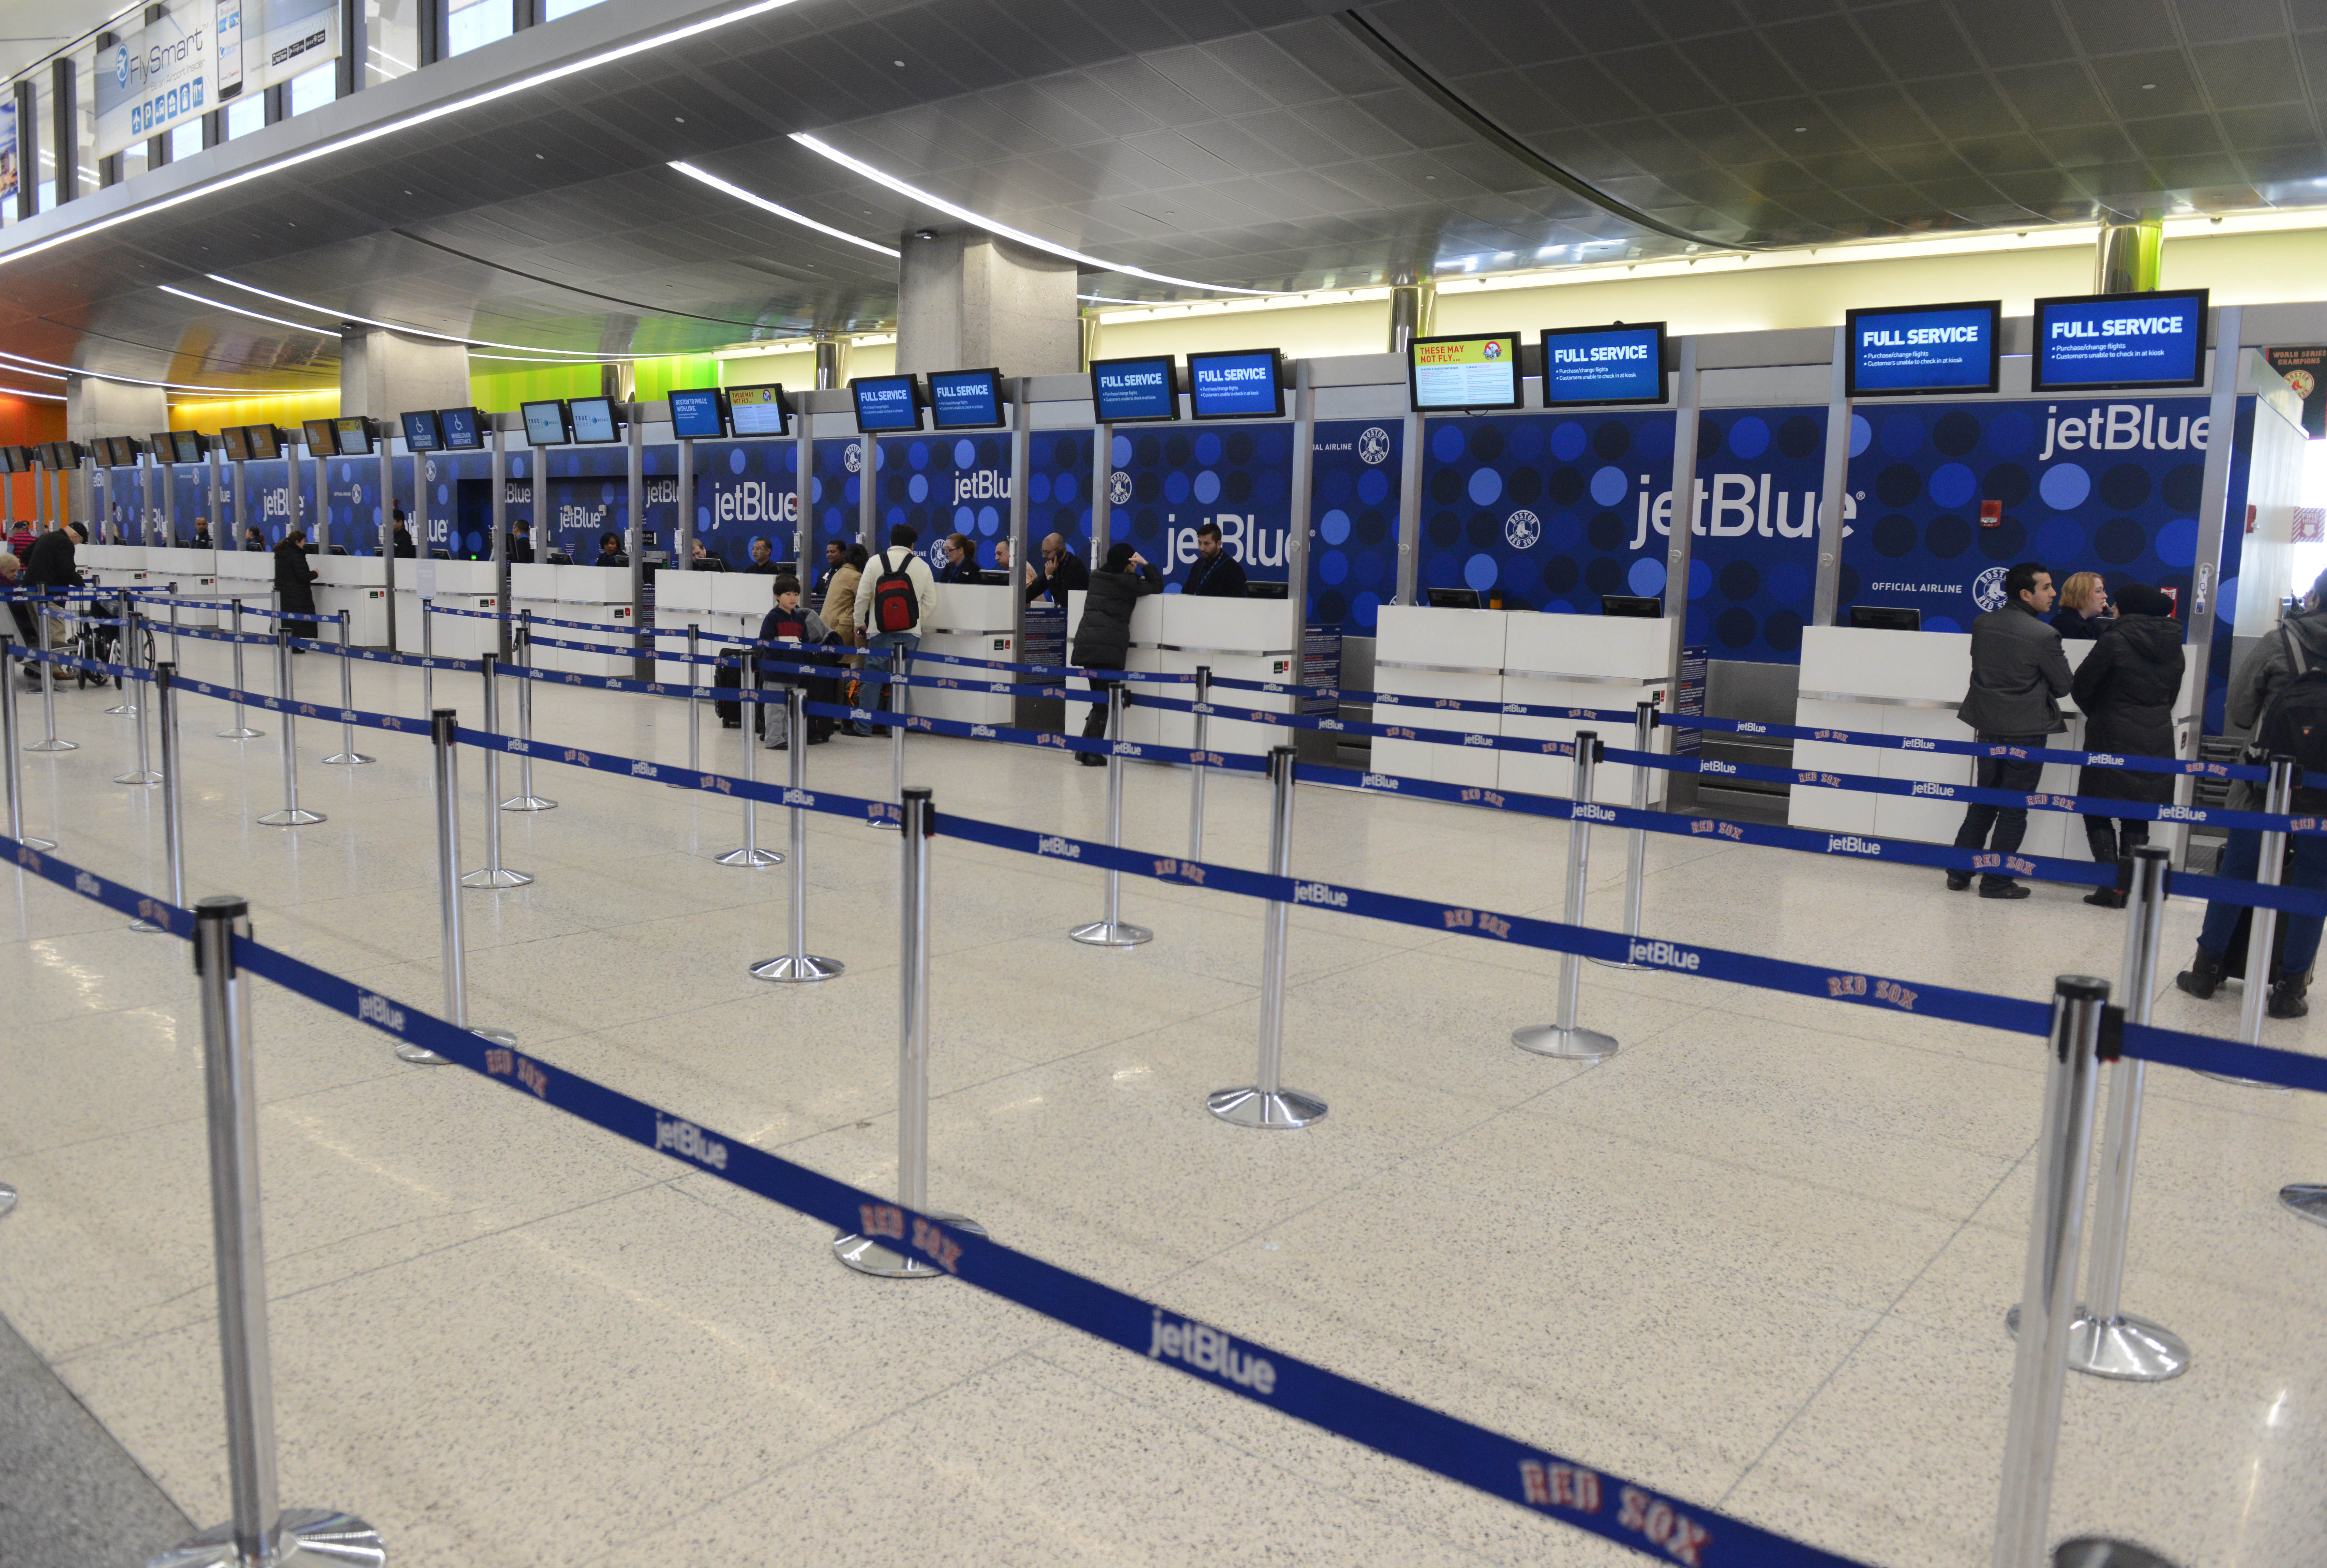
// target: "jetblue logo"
[[1712, 767], [1051, 843], [1320, 894], [1944, 791], [379, 1010], [2103, 760], [685, 1138], [1912, 743], [1584, 811], [1851, 844], [1208, 1349], [1379, 781], [1662, 955], [2180, 814], [799, 797], [981, 732]]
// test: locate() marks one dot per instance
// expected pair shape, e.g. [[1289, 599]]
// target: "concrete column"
[[95, 406], [1413, 310], [832, 362], [966, 299], [383, 374], [2127, 256]]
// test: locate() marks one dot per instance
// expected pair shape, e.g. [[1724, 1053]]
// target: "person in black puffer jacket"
[[2128, 687], [1103, 637]]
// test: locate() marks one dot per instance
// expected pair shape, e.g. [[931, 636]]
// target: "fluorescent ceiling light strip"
[[255, 316], [405, 123], [566, 355], [71, 371], [1005, 230], [764, 205], [28, 392]]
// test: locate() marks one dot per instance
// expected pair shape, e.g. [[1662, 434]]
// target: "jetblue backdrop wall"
[[947, 484], [1553, 510], [1353, 521], [1167, 479]]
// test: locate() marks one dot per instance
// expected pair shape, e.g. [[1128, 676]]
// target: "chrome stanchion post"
[[859, 1250], [2264, 930], [1111, 931], [494, 874], [752, 854], [260, 1534], [291, 815], [9, 740], [175, 657], [173, 849], [1196, 780], [2040, 1367], [143, 775], [241, 731], [442, 732], [1636, 852], [49, 742], [128, 706], [896, 690], [428, 653], [525, 799], [348, 757], [1267, 1103], [694, 705], [1565, 1038], [800, 967]]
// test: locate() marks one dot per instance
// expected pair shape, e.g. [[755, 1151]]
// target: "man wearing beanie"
[[2128, 687], [1103, 637]]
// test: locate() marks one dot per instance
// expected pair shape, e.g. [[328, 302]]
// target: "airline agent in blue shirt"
[[1215, 574]]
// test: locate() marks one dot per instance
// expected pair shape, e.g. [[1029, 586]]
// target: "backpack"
[[896, 604], [2295, 725]]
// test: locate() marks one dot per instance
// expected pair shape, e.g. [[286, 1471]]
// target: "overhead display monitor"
[[760, 410], [697, 415], [126, 451], [1623, 362], [1924, 349], [357, 434], [422, 431], [2095, 342], [965, 399], [102, 447], [236, 440], [163, 448], [547, 423], [265, 441], [595, 421], [15, 459], [886, 403], [192, 445], [463, 429], [1129, 391], [322, 436], [1451, 374], [1244, 384]]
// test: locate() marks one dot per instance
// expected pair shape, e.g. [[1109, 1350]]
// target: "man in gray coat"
[[2017, 672]]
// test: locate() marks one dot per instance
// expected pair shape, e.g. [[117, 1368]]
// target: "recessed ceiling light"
[[1799, 129], [2149, 86], [678, 120], [898, 63]]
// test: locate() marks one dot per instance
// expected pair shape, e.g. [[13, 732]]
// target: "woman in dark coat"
[[2127, 689], [294, 584], [2083, 614], [1103, 637]]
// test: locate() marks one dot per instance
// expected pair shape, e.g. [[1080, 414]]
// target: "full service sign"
[[2154, 340], [1933, 348], [1619, 364], [1127, 390], [1235, 386], [964, 399], [886, 402]]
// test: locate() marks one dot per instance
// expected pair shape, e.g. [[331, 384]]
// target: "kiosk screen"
[[965, 399], [1622, 363], [1929, 349], [597, 421], [696, 415], [886, 403], [760, 410], [2095, 342], [547, 423], [1239, 386], [1127, 391], [463, 429], [1453, 374]]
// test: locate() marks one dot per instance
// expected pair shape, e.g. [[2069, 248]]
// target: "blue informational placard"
[[965, 399], [2094, 342], [886, 402], [464, 431], [696, 416], [1599, 365], [1235, 385], [546, 424], [1926, 349], [1127, 391]]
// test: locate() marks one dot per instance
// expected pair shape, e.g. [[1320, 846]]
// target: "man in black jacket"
[[295, 584], [1214, 574], [1103, 636], [764, 558], [2017, 670], [49, 566], [1063, 573]]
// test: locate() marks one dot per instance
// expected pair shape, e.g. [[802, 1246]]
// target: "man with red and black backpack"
[[896, 597]]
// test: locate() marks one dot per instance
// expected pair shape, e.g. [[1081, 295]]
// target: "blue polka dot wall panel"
[[1353, 521], [1168, 479], [351, 499], [836, 491], [941, 484], [1945, 497], [746, 491], [446, 471], [1058, 491], [584, 492]]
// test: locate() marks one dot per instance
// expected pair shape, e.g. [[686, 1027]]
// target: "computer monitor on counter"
[[1638, 606], [1886, 618], [1453, 598]]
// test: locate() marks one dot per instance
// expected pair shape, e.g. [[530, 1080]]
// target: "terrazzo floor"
[[1759, 1258]]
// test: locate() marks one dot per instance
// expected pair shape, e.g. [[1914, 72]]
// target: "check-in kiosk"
[[195, 572], [599, 595], [357, 584], [973, 620]]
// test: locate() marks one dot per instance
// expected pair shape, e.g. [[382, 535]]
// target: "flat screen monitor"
[[440, 554], [1886, 618], [102, 447], [2100, 342], [163, 445], [597, 421], [463, 429], [192, 445], [760, 410], [15, 459], [358, 434], [547, 423], [886, 403], [266, 441], [965, 399], [127, 449], [712, 564], [236, 440], [1453, 598], [1130, 391], [1445, 375], [1244, 384], [422, 430], [1639, 606], [1925, 350], [1255, 589], [1623, 362], [698, 413], [322, 435]]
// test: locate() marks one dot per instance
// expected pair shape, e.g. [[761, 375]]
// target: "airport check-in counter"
[[1909, 684], [1601, 662], [358, 585], [716, 603], [247, 576], [973, 620], [460, 585], [114, 565], [1172, 634], [600, 595], [195, 572]]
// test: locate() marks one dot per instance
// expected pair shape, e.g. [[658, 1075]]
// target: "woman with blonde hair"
[[2084, 608]]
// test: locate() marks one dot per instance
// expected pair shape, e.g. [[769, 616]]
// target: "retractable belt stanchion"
[[142, 776], [1111, 931], [260, 1534], [175, 656], [2261, 938], [694, 707], [128, 706], [49, 742], [8, 652], [525, 799], [441, 732], [427, 653], [1267, 1103], [173, 843], [292, 814], [800, 967], [494, 874], [861, 1251], [2040, 1369], [752, 854], [241, 731], [1196, 769], [1565, 1038], [348, 757], [1636, 854], [896, 691]]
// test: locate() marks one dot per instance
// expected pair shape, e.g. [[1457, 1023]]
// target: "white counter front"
[[357, 584], [973, 620], [459, 585], [598, 595], [716, 603], [1175, 633]]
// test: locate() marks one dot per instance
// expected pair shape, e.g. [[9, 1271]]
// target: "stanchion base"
[[347, 760], [1617, 964], [527, 803], [307, 1538], [805, 970], [292, 816], [503, 878], [148, 929], [1568, 1044], [245, 733], [1280, 1110], [755, 857], [2244, 1083], [2100, 1552], [1111, 934], [144, 779], [2308, 1198], [882, 1261], [29, 842], [54, 746], [121, 711], [2124, 1350], [7, 1198], [419, 1055]]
